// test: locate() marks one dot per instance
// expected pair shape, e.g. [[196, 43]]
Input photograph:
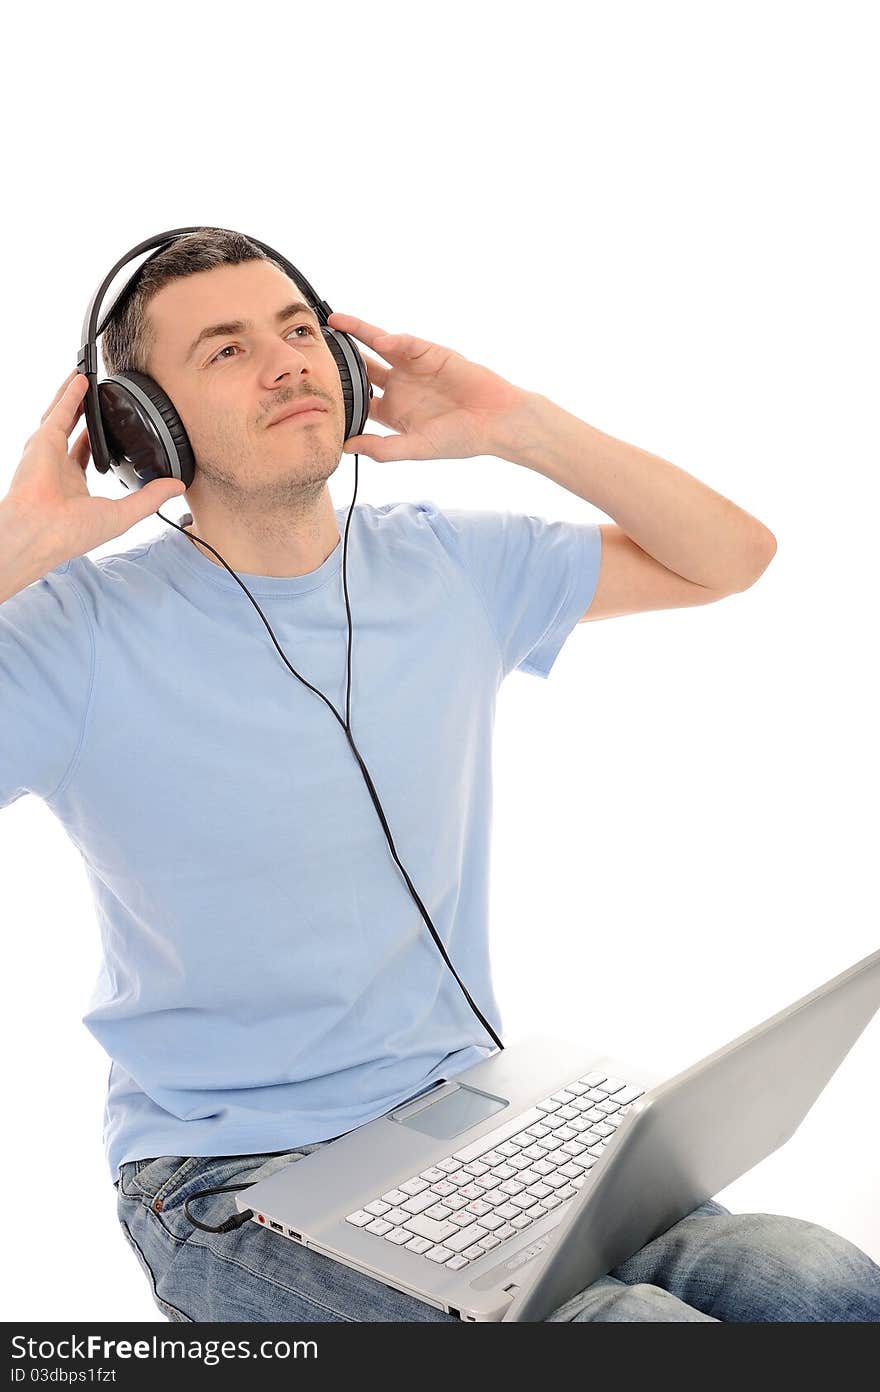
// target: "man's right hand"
[[48, 500]]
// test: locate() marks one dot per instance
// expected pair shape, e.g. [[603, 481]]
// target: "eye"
[[296, 328]]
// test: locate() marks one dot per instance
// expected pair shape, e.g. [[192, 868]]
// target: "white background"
[[661, 217]]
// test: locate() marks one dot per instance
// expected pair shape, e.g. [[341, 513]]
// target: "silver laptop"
[[501, 1193]]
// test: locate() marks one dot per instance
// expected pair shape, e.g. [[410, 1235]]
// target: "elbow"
[[765, 554]]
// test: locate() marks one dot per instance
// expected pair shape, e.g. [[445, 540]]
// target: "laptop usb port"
[[276, 1226], [291, 1233]]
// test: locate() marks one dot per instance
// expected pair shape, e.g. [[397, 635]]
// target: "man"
[[268, 984]]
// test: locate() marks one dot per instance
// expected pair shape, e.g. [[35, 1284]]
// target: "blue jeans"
[[711, 1265]]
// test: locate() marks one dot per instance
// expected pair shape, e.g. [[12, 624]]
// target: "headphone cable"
[[237, 1219]]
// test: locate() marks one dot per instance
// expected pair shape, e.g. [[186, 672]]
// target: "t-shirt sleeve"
[[47, 663], [536, 578]]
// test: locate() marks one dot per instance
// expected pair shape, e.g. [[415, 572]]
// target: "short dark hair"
[[129, 337]]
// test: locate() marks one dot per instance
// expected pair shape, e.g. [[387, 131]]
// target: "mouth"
[[299, 413]]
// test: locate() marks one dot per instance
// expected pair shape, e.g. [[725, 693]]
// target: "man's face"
[[228, 388]]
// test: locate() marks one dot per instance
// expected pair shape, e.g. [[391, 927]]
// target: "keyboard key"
[[377, 1208], [420, 1202], [472, 1191], [461, 1220], [429, 1227], [457, 1262], [522, 1220], [528, 1177], [475, 1251], [512, 1186], [629, 1094], [379, 1227], [490, 1181], [538, 1211], [438, 1212], [439, 1254], [521, 1201], [591, 1080], [414, 1186], [487, 1243], [504, 1233], [477, 1207], [570, 1171], [418, 1244], [466, 1237], [540, 1191], [360, 1218], [562, 1096], [556, 1181], [448, 1165], [507, 1211], [432, 1175], [398, 1236], [533, 1152], [442, 1187], [613, 1084], [476, 1168], [492, 1221], [397, 1216], [395, 1196], [454, 1203], [504, 1171]]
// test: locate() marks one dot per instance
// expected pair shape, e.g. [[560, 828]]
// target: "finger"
[[359, 328], [376, 371], [81, 450], [66, 409], [145, 501], [60, 392], [387, 449]]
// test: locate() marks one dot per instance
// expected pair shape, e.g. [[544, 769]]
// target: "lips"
[[297, 409]]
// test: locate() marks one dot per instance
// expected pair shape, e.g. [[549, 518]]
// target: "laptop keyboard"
[[474, 1200]]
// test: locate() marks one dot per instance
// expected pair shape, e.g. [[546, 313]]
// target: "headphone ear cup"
[[356, 388], [144, 433]]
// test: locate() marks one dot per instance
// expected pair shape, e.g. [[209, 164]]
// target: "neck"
[[290, 544]]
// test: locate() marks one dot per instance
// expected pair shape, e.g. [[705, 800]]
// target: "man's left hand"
[[442, 405]]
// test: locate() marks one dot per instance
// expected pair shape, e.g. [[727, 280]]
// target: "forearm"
[[681, 522]]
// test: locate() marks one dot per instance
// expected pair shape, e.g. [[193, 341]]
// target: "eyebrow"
[[236, 326]]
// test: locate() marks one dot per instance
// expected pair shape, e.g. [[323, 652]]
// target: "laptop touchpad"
[[453, 1108]]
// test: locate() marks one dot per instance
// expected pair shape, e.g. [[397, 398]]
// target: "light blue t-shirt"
[[267, 979]]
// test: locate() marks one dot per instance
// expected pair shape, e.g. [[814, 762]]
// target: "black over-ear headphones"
[[135, 431], [133, 426]]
